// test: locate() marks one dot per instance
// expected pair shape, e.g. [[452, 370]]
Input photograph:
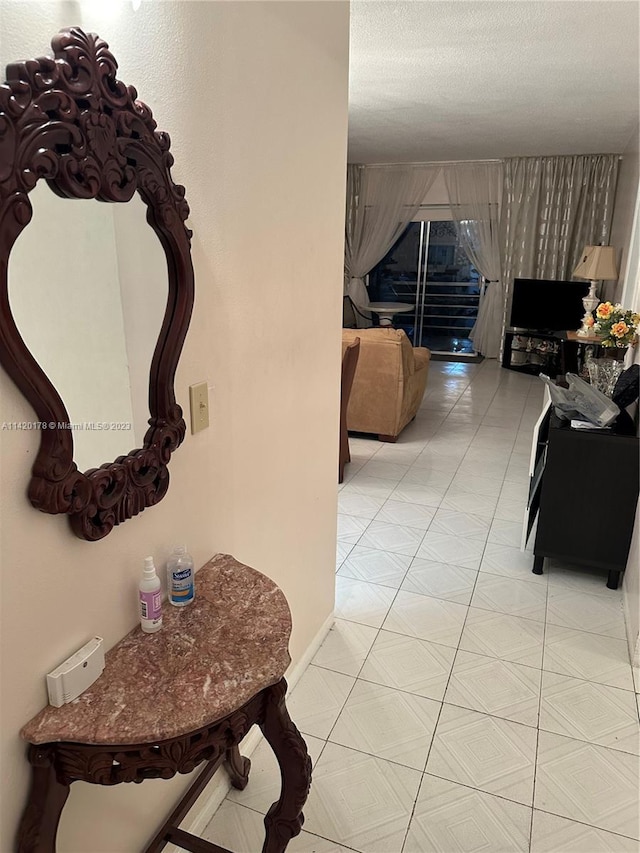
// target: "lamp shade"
[[596, 263]]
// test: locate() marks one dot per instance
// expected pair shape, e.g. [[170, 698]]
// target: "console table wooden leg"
[[284, 819], [237, 766], [538, 563], [47, 796]]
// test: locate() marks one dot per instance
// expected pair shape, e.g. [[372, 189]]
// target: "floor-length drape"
[[474, 197], [381, 201], [552, 207]]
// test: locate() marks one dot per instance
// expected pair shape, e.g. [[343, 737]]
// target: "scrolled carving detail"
[[111, 765], [285, 819], [68, 120]]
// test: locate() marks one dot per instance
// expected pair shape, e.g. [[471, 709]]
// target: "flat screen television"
[[543, 305]]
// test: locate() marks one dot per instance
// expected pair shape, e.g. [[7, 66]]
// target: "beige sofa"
[[389, 383]]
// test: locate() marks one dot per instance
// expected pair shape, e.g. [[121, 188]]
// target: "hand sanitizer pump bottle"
[[180, 581]]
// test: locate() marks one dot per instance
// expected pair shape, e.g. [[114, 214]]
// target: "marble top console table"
[[170, 701]]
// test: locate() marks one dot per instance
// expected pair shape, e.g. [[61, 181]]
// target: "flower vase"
[[604, 373]]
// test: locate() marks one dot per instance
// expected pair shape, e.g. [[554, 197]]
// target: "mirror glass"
[[88, 291]]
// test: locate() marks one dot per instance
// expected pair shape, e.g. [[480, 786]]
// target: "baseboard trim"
[[213, 795], [294, 673]]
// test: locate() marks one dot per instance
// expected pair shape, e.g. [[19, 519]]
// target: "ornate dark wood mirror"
[[68, 121]]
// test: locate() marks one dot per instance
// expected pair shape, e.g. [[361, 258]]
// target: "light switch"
[[199, 402]]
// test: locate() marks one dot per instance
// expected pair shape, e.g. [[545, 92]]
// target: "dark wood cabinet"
[[584, 490]]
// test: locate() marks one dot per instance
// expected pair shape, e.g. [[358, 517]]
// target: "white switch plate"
[[199, 403]]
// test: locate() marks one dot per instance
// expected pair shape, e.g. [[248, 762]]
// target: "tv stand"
[[533, 352], [553, 353]]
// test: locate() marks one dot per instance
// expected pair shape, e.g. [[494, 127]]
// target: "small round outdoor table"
[[387, 310]]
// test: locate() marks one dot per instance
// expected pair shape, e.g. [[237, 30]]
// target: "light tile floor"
[[460, 703]]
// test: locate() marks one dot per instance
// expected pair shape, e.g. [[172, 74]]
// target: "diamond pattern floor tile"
[[317, 700], [426, 618], [358, 601], [264, 777], [493, 755], [496, 687], [424, 477], [236, 828], [506, 532], [467, 502], [386, 470], [345, 647], [342, 549], [453, 481], [455, 523], [361, 801], [414, 493], [510, 562], [375, 566], [395, 538], [351, 528], [492, 470], [588, 783], [515, 491], [580, 578], [552, 833], [506, 637], [487, 487], [308, 843], [378, 487], [444, 548], [588, 656], [510, 510], [387, 723], [410, 515], [405, 663], [585, 612], [507, 595], [241, 830], [440, 580], [439, 459], [449, 818], [591, 712], [363, 506]]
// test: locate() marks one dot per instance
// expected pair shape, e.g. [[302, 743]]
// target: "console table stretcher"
[[231, 642]]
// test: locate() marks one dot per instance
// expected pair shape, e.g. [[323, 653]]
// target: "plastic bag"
[[581, 400]]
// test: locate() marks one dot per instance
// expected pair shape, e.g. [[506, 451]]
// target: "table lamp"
[[597, 263]]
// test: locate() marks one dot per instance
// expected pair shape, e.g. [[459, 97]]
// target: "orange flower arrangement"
[[619, 330], [616, 325], [604, 311]]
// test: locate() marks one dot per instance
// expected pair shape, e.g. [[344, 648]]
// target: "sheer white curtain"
[[381, 201], [474, 195], [552, 207]]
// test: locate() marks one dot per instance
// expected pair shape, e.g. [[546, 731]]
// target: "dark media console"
[[552, 353], [529, 346]]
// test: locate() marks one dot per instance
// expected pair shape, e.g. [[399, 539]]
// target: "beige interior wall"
[[623, 213], [631, 578], [254, 96]]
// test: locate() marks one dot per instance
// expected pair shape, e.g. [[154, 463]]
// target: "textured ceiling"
[[458, 80]]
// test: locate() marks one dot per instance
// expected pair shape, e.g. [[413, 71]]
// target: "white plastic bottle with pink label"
[[150, 591]]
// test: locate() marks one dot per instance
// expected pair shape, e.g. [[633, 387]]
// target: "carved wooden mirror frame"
[[69, 121]]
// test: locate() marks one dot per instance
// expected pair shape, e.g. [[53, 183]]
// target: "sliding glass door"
[[429, 269]]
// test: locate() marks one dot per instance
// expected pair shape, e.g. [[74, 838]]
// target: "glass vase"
[[604, 373]]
